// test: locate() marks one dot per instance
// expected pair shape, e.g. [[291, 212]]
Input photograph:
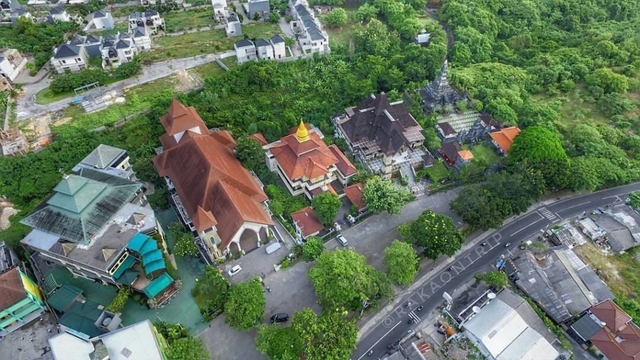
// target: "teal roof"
[[81, 205], [128, 277], [151, 257], [137, 241], [126, 265], [149, 246], [63, 297], [81, 317], [154, 266], [157, 285], [102, 156]]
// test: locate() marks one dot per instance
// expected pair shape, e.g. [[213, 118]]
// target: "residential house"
[[311, 36], [11, 63], [306, 164], [220, 9], [141, 38], [92, 44], [216, 198], [381, 134], [354, 194], [264, 49], [500, 332], [108, 159], [259, 9], [503, 139], [245, 51], [69, 57], [21, 14], [152, 2], [117, 49], [279, 50], [610, 330], [20, 300], [233, 27], [9, 6], [423, 38], [454, 156], [101, 20], [58, 14], [140, 341], [617, 228], [149, 19], [306, 223]]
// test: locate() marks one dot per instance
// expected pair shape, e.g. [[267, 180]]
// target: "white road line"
[[571, 207], [383, 336], [528, 225]]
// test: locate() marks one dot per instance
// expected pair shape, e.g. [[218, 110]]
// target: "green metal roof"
[[126, 265], [63, 297], [81, 317], [81, 205], [157, 285], [151, 257], [154, 266], [137, 241], [128, 277]]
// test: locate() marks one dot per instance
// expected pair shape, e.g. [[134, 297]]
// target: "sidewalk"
[[371, 320]]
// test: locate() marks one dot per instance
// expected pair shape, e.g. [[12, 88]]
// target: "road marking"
[[571, 207], [527, 225], [376, 343], [414, 316], [547, 213]]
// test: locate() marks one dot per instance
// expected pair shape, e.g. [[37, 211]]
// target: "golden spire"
[[302, 134]]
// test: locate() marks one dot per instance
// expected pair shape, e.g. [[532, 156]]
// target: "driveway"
[[28, 108]]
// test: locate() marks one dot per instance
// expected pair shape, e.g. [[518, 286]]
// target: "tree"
[[328, 336], [187, 348], [366, 12], [274, 18], [250, 153], [496, 279], [435, 233], [326, 206], [343, 279], [118, 303], [211, 292], [609, 81], [381, 195], [402, 262], [480, 208], [278, 342], [246, 304], [312, 248], [185, 245], [336, 17]]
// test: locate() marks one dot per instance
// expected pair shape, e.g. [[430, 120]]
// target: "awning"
[[128, 277], [151, 257], [137, 241], [126, 265], [154, 266], [158, 285]]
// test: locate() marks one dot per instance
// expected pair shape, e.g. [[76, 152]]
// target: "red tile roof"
[[619, 339], [11, 289], [354, 194], [307, 221], [212, 184], [261, 139], [181, 118], [310, 158], [504, 138]]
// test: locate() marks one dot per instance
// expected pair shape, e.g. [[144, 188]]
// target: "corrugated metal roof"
[[62, 298], [157, 285]]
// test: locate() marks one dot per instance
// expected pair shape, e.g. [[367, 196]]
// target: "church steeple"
[[302, 134]]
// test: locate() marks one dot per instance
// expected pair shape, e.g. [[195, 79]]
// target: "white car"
[[234, 270]]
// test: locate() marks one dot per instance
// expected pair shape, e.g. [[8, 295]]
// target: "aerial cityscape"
[[319, 180]]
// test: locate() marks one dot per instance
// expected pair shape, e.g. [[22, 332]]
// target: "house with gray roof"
[[233, 27], [117, 49], [108, 159], [21, 14], [264, 49], [220, 9], [70, 57], [619, 228], [311, 36], [279, 47], [58, 14], [260, 8], [245, 51], [149, 19], [100, 20]]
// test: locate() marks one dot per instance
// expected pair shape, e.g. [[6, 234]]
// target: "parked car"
[[278, 318], [507, 244], [341, 240], [234, 270]]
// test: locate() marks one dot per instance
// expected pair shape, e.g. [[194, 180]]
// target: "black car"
[[278, 318]]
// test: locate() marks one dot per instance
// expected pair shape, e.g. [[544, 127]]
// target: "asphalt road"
[[396, 324]]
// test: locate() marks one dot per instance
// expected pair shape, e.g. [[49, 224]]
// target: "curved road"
[[395, 325]]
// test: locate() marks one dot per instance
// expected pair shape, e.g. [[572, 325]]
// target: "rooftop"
[[354, 194], [619, 338], [504, 138], [103, 156], [11, 288], [621, 226], [307, 220]]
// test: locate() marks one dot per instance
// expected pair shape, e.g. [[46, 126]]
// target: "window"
[[78, 59], [63, 61]]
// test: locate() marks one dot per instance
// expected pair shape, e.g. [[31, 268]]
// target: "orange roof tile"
[[181, 118], [619, 338], [610, 313], [307, 221], [354, 194], [345, 166], [261, 139], [212, 184], [11, 288], [465, 154], [504, 138]]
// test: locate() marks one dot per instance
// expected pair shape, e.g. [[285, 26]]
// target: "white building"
[[311, 36], [279, 47], [220, 9], [245, 51], [117, 49], [141, 38], [11, 63], [500, 333], [233, 26], [149, 19], [59, 14], [264, 49], [70, 57], [101, 20]]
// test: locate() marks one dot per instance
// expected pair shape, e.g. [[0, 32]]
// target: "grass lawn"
[[573, 109], [485, 153], [213, 69], [437, 172], [204, 42], [188, 19], [343, 34], [122, 27], [46, 96]]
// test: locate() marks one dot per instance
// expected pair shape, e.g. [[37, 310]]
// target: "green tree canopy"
[[185, 245], [326, 206], [279, 343], [402, 262], [250, 153], [328, 336], [312, 248], [211, 292], [187, 348], [336, 17], [382, 195], [342, 278], [245, 305], [435, 233], [496, 279], [609, 81]]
